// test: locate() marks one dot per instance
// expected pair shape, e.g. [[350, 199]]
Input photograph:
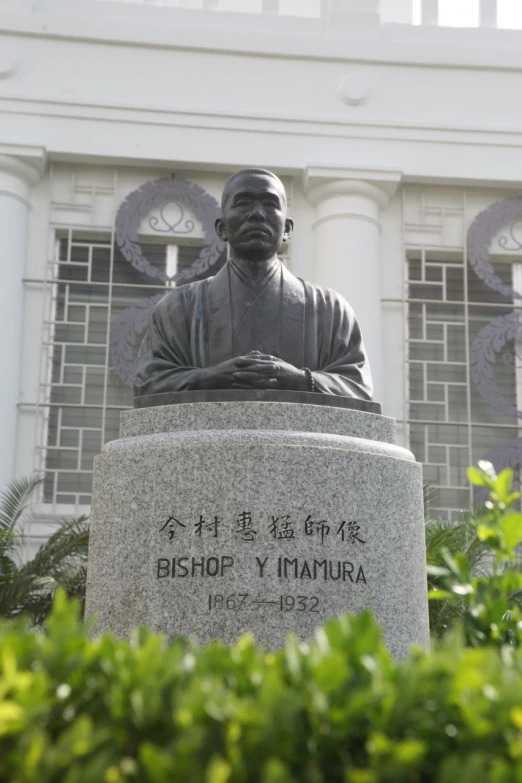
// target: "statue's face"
[[254, 217]]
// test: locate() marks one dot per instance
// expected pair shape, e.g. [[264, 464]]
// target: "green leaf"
[[218, 771], [452, 563], [503, 484], [511, 526], [479, 478], [439, 595], [156, 762], [487, 532], [434, 570], [11, 717], [408, 752]]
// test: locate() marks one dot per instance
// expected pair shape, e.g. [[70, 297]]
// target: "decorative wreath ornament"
[[492, 338], [481, 233], [485, 347], [157, 194]]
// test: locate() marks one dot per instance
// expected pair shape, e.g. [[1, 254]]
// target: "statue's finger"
[[245, 377], [268, 368], [245, 361], [254, 358], [266, 357]]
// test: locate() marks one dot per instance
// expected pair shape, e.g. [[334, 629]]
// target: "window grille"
[[86, 284], [450, 425], [92, 285]]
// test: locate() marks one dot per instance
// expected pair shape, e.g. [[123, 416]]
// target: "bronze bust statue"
[[254, 325]]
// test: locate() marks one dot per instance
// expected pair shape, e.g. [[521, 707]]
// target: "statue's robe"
[[205, 323]]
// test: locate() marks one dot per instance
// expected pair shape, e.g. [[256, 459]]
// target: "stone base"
[[212, 519]]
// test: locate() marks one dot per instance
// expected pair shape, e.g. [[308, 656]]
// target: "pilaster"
[[347, 225], [17, 176]]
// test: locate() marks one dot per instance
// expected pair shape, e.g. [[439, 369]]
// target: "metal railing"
[[307, 8], [480, 13], [486, 10], [431, 13]]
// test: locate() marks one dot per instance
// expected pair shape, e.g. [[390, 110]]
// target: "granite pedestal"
[[215, 518]]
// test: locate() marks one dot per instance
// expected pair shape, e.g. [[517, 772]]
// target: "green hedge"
[[338, 709]]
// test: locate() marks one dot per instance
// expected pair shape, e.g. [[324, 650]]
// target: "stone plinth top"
[[257, 395], [253, 415]]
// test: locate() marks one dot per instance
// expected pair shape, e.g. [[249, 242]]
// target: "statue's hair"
[[230, 182]]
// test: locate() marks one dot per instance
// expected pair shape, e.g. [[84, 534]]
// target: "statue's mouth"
[[257, 232]]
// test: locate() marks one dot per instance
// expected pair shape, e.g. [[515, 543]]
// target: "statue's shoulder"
[[182, 295], [325, 297]]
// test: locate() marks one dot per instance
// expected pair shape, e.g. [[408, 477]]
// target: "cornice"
[[480, 49], [27, 163]]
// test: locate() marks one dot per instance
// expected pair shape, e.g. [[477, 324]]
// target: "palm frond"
[[9, 542], [439, 536], [451, 537], [14, 594], [8, 569], [429, 497], [60, 562], [64, 551], [15, 500]]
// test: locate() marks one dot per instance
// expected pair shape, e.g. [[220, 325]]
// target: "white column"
[[488, 13], [347, 252], [430, 12], [354, 6], [350, 13], [270, 6], [16, 179], [396, 11]]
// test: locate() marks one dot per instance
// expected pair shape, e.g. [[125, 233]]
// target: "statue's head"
[[254, 220]]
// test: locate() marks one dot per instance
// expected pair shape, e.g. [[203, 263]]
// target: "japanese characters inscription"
[[280, 528]]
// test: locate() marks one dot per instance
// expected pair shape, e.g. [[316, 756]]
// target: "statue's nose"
[[258, 213]]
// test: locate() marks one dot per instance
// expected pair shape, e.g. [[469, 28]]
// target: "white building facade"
[[401, 149]]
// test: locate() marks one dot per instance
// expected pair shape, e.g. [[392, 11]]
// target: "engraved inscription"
[[284, 603], [282, 530], [294, 568], [245, 531], [283, 568], [193, 566], [261, 564], [232, 602], [301, 603], [203, 525], [282, 527]]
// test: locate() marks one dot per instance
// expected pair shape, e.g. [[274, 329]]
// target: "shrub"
[[445, 538], [485, 601], [28, 587], [336, 709]]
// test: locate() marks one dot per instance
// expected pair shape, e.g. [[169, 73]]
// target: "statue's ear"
[[221, 229], [289, 227]]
